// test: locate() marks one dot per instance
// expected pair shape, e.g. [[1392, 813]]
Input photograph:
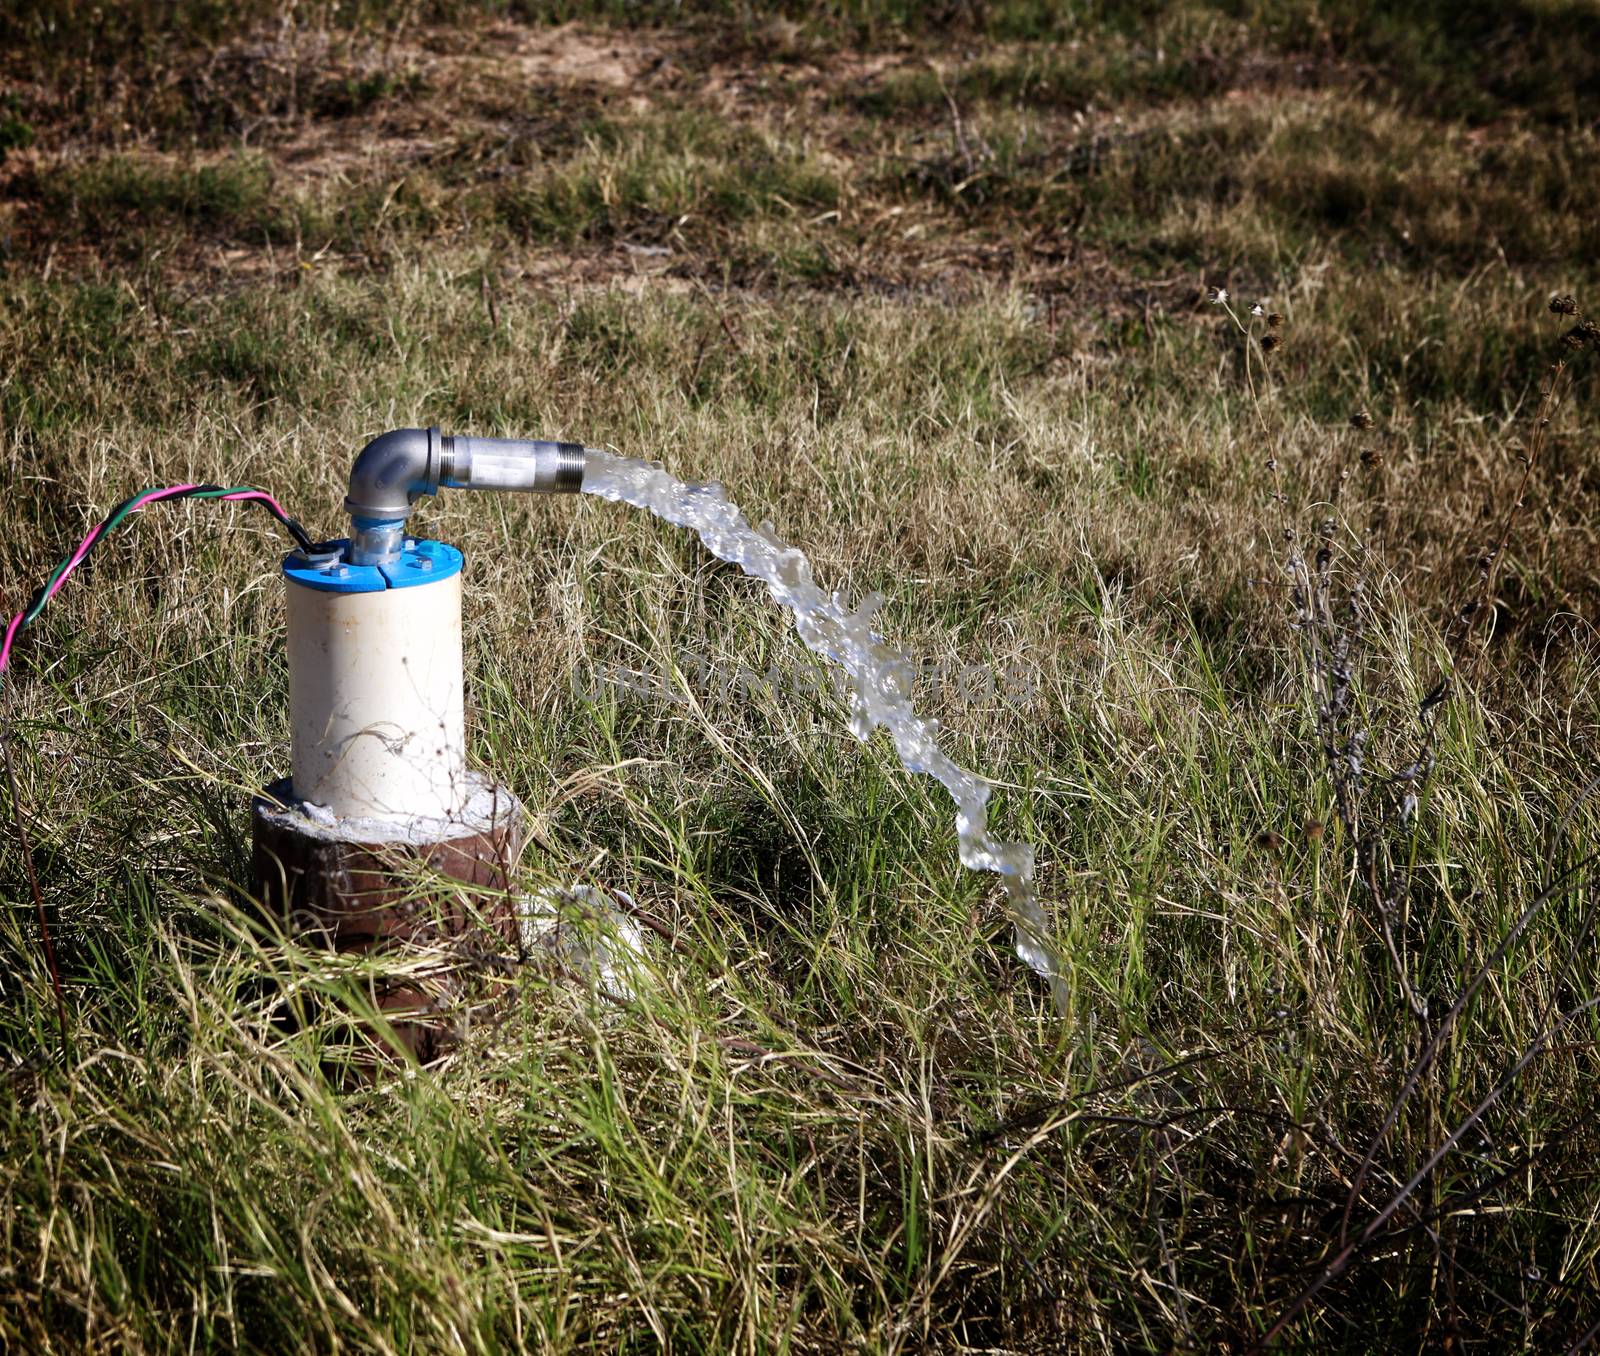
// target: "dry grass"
[[942, 317]]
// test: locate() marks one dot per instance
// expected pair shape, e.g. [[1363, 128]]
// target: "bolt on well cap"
[[330, 571]]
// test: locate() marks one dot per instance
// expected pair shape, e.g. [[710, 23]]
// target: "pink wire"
[[152, 497], [87, 542], [5, 646], [262, 495]]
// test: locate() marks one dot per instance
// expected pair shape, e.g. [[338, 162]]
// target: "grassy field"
[[1293, 617]]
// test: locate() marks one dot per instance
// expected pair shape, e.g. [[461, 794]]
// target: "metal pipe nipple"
[[397, 468]]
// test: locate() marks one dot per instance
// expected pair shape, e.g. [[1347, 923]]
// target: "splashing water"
[[874, 672]]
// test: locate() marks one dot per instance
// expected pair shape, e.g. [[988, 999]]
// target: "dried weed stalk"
[[1336, 593]]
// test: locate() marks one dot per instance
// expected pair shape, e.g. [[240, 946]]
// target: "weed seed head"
[[1360, 419], [1269, 342], [1582, 335], [1217, 296], [1274, 320], [1563, 305]]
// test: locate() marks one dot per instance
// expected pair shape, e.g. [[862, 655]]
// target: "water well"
[[380, 790], [380, 784]]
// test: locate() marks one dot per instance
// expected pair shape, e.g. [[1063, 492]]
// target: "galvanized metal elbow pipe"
[[397, 468]]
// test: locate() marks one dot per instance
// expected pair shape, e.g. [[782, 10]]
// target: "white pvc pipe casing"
[[375, 700]]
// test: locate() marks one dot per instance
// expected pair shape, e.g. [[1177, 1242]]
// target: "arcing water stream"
[[847, 639]]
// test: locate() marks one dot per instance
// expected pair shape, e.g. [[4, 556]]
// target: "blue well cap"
[[421, 562]]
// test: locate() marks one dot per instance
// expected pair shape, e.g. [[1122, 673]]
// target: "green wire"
[[122, 511]]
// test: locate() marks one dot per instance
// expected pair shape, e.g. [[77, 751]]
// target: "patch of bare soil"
[[446, 88], [572, 55]]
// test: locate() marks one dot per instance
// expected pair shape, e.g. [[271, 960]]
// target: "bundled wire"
[[232, 494]]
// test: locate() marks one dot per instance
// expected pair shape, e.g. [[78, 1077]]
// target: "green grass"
[[983, 379]]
